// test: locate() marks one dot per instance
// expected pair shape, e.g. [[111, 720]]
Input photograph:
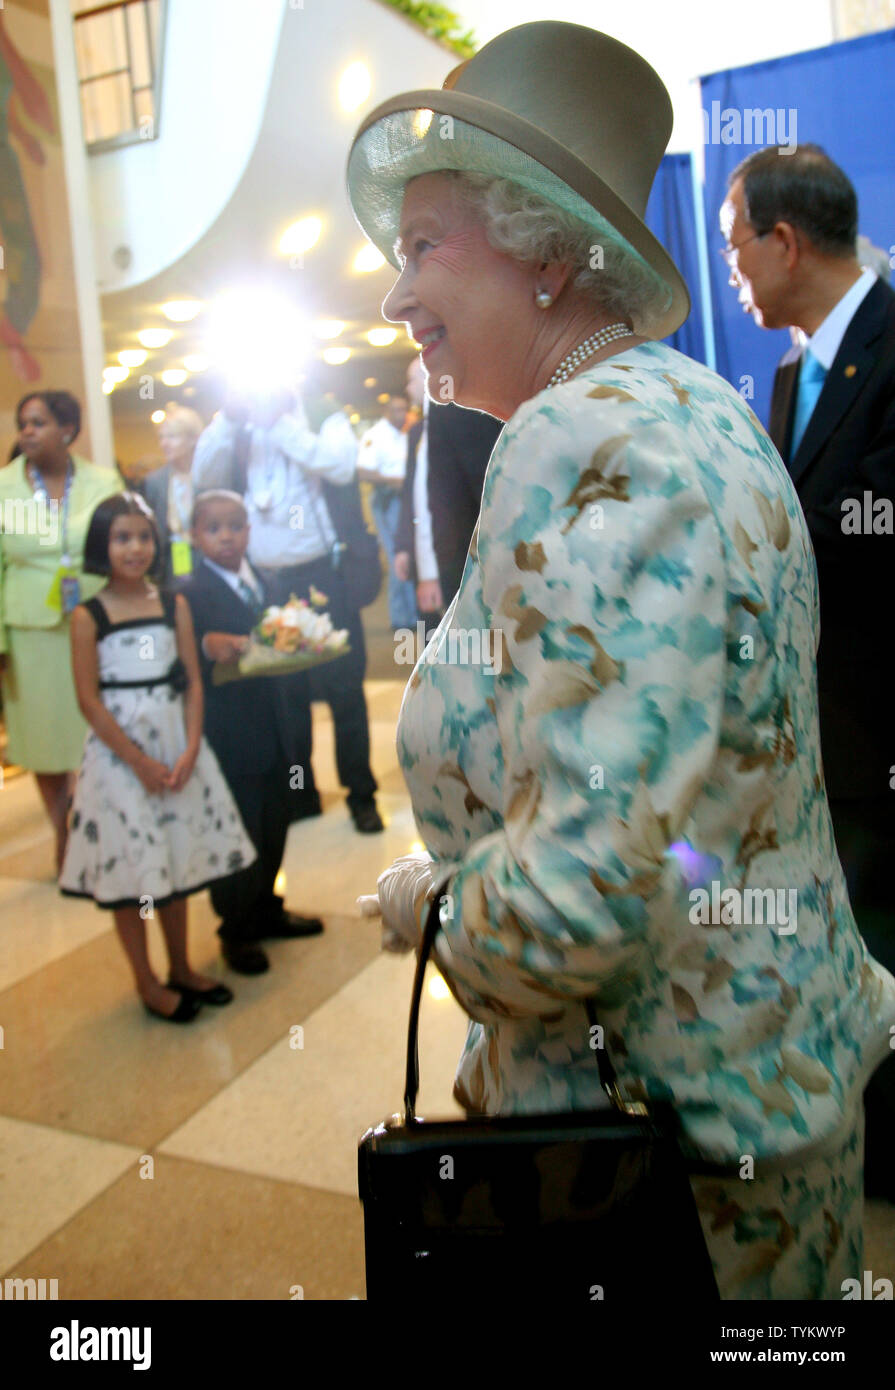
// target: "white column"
[[74, 153]]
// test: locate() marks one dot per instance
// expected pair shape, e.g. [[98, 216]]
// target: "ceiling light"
[[256, 338], [382, 337], [384, 398], [301, 236], [196, 362], [370, 382], [132, 357], [368, 258], [115, 374], [108, 387], [157, 417], [155, 337], [336, 356], [354, 86], [329, 328], [181, 310], [174, 376]]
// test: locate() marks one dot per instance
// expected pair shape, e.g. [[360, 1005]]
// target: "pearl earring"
[[543, 299]]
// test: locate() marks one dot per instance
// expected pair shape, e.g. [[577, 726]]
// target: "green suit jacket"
[[31, 541]]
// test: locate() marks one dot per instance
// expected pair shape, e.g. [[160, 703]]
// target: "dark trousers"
[[865, 839], [245, 901], [340, 683]]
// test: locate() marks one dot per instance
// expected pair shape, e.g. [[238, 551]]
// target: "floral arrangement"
[[294, 637], [296, 627]]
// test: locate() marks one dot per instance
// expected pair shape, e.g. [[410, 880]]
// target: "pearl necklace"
[[573, 360]]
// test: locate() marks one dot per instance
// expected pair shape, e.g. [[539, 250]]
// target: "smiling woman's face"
[[469, 305]]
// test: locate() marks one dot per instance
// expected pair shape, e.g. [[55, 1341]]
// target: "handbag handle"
[[608, 1078]]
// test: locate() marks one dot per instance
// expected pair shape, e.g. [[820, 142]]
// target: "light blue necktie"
[[248, 595], [812, 375]]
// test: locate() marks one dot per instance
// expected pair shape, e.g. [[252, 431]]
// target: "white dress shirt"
[[233, 577], [825, 341], [384, 449], [424, 550], [289, 520]]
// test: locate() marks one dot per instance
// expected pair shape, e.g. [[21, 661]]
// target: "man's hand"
[[428, 596], [402, 565]]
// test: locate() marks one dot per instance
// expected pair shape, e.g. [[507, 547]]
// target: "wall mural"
[[39, 328]]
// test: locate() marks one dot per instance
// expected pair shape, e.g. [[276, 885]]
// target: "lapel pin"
[[850, 370]]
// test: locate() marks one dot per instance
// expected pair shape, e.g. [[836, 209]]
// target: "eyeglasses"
[[729, 252]]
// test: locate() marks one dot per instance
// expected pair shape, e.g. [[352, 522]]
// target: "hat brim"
[[401, 140]]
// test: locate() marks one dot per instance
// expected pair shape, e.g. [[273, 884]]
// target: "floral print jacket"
[[611, 745]]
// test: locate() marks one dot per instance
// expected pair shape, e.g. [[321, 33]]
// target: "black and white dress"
[[127, 847]]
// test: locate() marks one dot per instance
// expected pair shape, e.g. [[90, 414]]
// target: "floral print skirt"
[[794, 1234]]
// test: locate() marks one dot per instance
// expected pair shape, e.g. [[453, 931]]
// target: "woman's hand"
[[402, 891], [153, 774], [182, 770]]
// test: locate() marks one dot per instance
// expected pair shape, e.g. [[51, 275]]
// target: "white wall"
[[157, 197], [681, 40]]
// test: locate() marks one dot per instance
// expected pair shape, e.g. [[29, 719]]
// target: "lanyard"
[[42, 494], [180, 492]]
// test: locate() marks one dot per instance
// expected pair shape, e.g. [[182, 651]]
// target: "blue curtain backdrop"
[[672, 215], [842, 99]]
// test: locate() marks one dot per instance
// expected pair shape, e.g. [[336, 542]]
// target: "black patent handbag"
[[561, 1208]]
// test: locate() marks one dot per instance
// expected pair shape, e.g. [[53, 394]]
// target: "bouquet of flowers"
[[292, 638]]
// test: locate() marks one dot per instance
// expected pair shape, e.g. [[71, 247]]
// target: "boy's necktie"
[[812, 375], [248, 596]]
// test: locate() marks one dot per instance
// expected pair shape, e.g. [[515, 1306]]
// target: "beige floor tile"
[[26, 840], [195, 1232], [81, 1054], [297, 1114], [38, 925], [46, 1176], [328, 865]]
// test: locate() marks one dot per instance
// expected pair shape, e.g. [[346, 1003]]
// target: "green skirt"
[[45, 729]]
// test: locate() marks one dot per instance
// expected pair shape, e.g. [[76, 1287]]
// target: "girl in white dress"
[[153, 819]]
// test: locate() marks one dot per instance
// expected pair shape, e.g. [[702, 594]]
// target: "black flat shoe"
[[245, 957], [217, 994], [185, 1012], [366, 818], [291, 925]]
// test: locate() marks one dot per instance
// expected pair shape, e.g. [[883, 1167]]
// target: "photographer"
[[262, 447]]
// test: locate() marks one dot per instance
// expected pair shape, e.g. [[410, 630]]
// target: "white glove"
[[399, 898]]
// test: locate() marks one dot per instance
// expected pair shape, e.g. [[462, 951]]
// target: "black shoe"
[[185, 1012], [245, 957], [366, 817], [290, 925], [217, 994]]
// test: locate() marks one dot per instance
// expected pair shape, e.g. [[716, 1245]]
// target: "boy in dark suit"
[[249, 725]]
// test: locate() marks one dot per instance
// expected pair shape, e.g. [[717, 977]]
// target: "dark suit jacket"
[[848, 449], [248, 723], [459, 447], [154, 488]]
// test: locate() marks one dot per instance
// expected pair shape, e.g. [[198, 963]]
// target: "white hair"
[[528, 227]]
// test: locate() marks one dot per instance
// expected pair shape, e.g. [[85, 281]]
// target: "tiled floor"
[[141, 1161], [218, 1160]]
